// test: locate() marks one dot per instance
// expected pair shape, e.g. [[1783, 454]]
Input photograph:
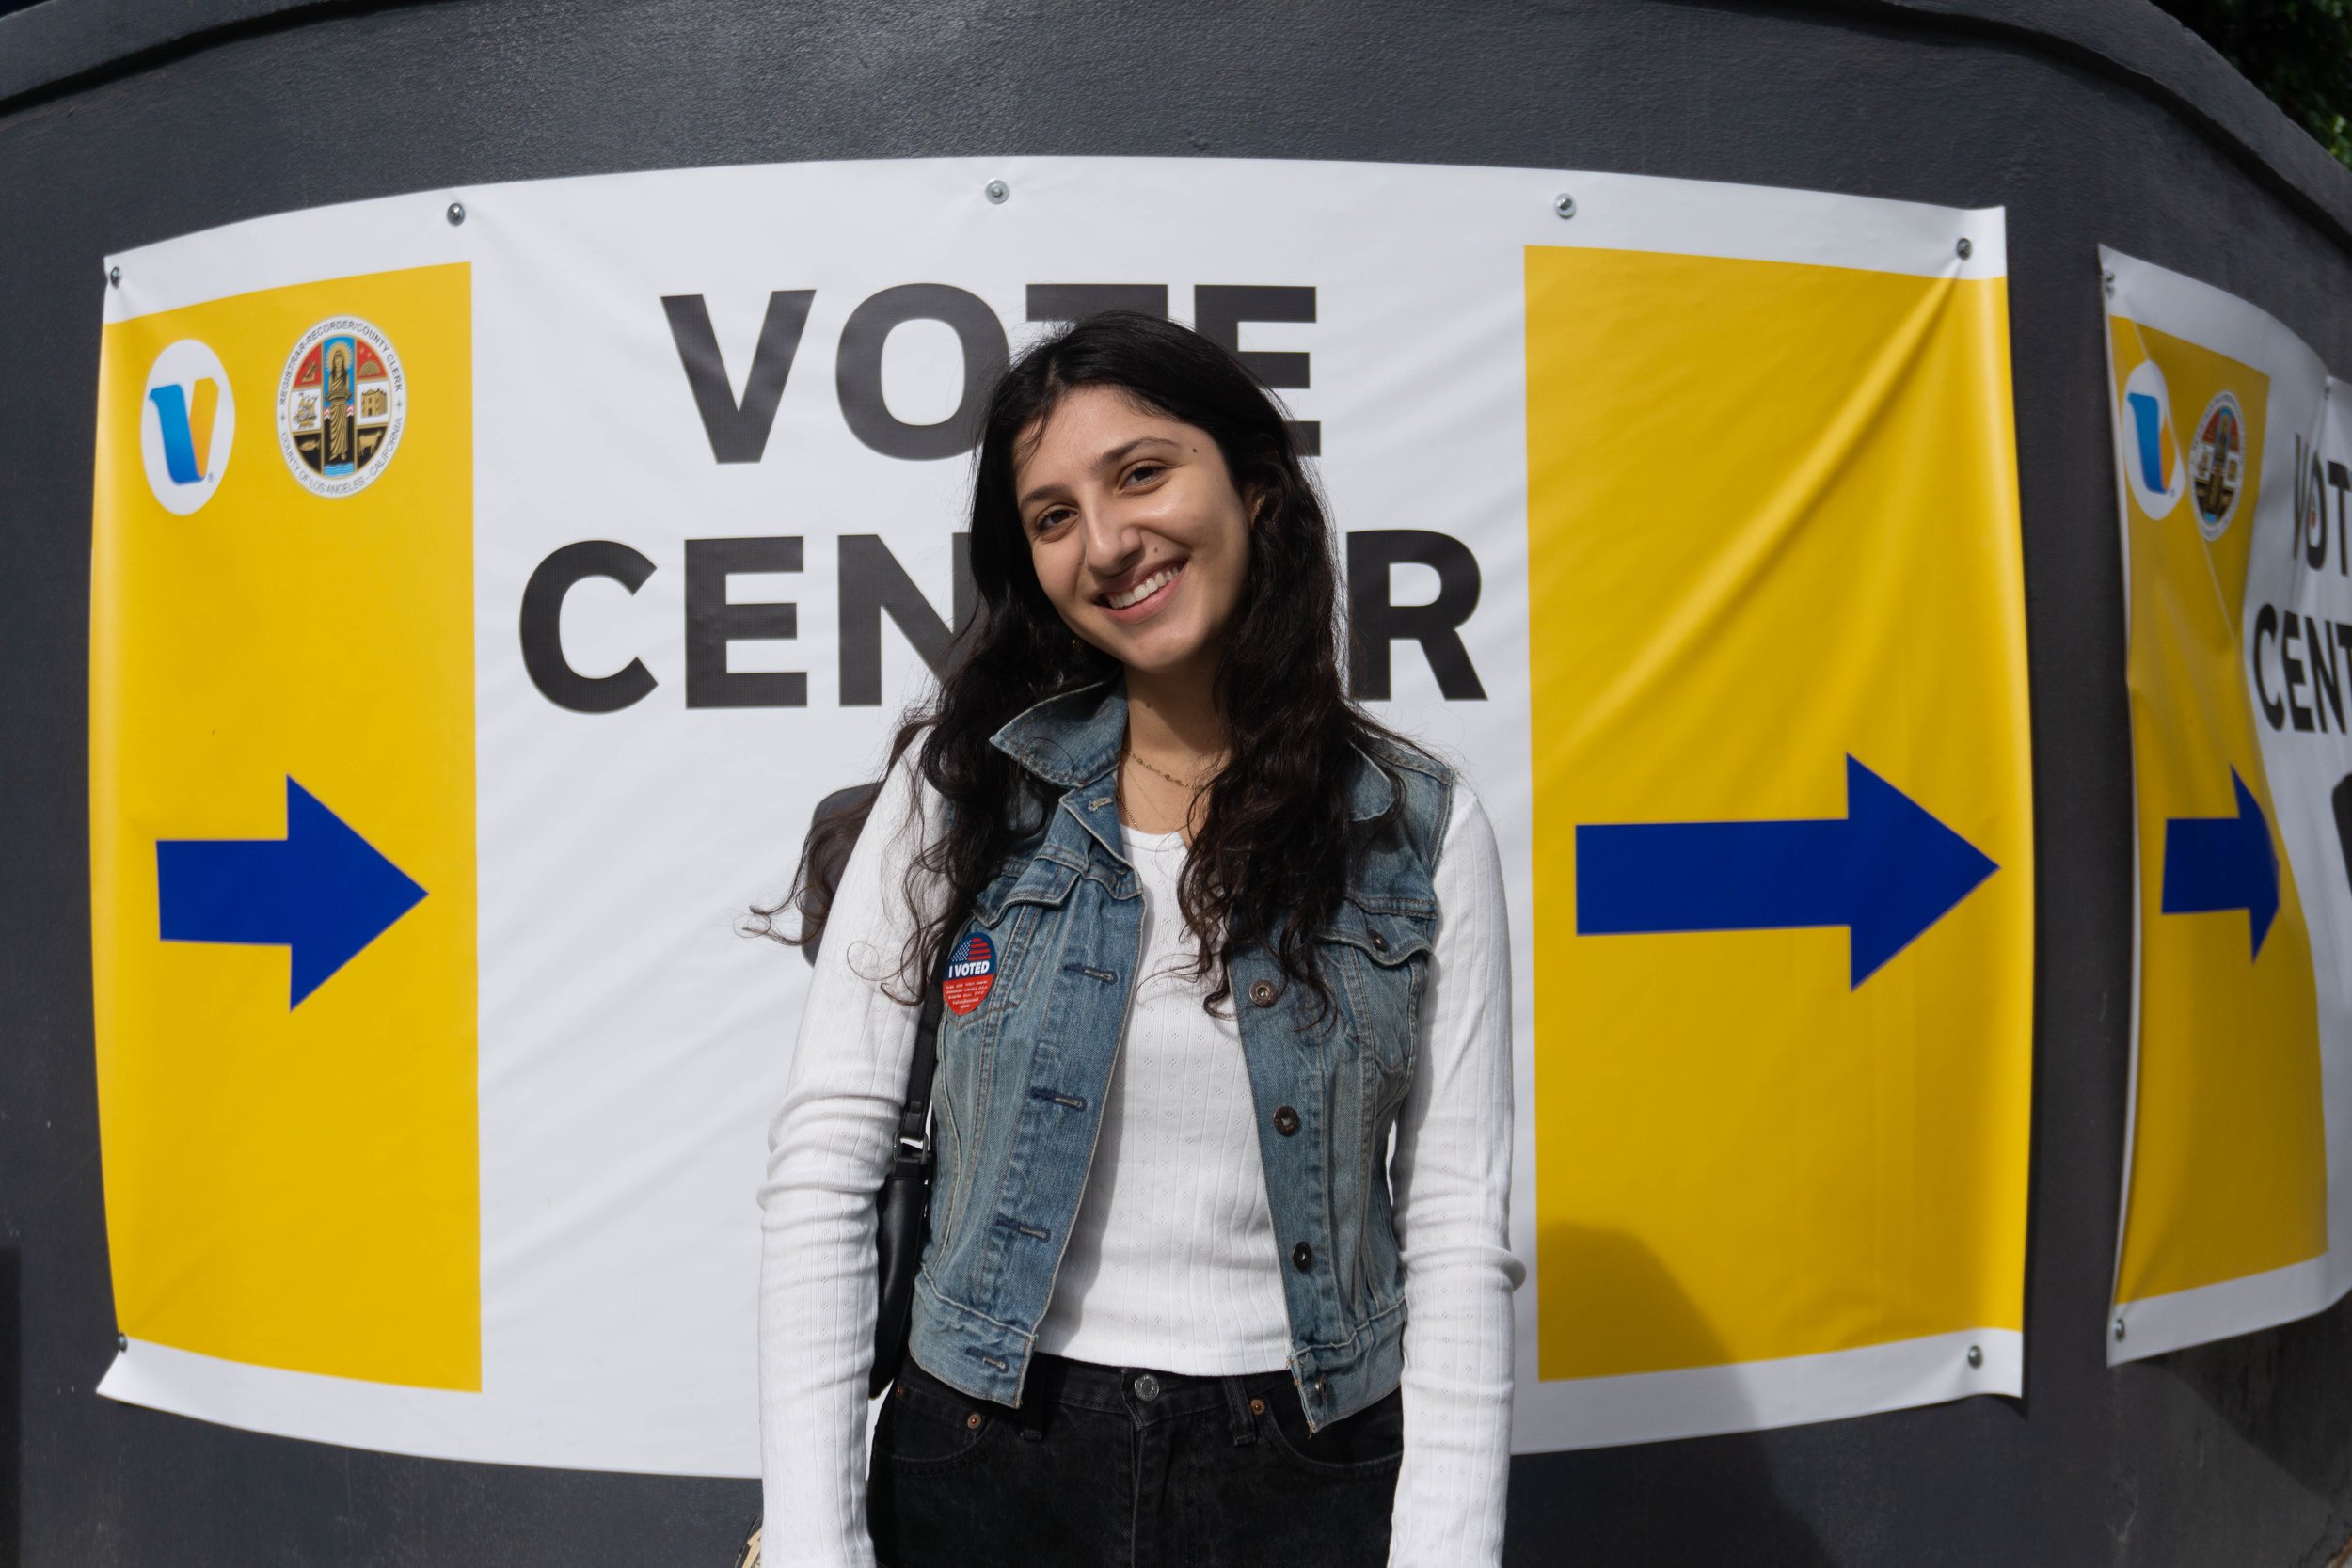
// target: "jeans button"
[[1303, 1257], [1286, 1121], [1146, 1388], [1262, 993]]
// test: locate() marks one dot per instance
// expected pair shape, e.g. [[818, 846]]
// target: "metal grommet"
[[114, 278], [998, 192], [1262, 993], [2119, 1331], [456, 213], [1964, 249], [1975, 1356], [1564, 204]]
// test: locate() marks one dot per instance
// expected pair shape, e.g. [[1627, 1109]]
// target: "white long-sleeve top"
[[1202, 1294], [1172, 1261]]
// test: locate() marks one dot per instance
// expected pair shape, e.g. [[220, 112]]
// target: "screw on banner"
[[2108, 279], [1975, 1356], [114, 278], [1964, 249], [2119, 1331], [998, 192], [1564, 204], [456, 213]]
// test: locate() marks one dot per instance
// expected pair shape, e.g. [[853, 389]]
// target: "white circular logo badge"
[[2153, 459], [2216, 464], [187, 425], [341, 404]]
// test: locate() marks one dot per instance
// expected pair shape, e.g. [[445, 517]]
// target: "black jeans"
[[1119, 1467]]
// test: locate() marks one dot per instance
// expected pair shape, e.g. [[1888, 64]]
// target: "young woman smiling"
[[1182, 1303]]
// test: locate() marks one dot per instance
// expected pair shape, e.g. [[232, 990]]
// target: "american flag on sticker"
[[970, 973]]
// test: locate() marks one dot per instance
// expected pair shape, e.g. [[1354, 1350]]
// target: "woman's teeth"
[[1145, 589]]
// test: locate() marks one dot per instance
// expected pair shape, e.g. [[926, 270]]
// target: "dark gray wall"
[[2090, 122]]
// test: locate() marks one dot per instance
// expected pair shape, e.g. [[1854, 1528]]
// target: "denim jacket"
[[1023, 1072]]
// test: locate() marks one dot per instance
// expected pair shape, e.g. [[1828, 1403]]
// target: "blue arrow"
[[322, 891], [1886, 871], [2223, 863]]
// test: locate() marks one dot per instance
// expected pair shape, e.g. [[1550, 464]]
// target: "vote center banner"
[[489, 584], [2230, 474]]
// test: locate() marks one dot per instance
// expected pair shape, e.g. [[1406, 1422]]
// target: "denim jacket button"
[[1262, 993], [1379, 943], [1303, 1257], [1286, 1121]]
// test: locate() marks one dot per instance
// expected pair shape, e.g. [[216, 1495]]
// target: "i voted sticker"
[[970, 973]]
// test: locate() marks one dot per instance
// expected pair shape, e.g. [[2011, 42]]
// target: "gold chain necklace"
[[1181, 784]]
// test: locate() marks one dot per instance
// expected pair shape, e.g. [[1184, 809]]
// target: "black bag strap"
[[915, 1116], [903, 1217]]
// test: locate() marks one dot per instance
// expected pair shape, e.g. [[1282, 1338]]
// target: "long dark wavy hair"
[[1269, 857]]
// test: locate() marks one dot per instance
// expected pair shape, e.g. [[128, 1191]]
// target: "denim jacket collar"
[[1072, 739]]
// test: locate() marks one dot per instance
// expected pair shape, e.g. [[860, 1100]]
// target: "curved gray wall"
[[2092, 123]]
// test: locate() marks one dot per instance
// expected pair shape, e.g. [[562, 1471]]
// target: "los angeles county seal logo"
[[2216, 464], [341, 404]]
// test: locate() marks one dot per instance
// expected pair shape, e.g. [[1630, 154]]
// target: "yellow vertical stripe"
[[291, 1186], [1771, 524], [2229, 1172]]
